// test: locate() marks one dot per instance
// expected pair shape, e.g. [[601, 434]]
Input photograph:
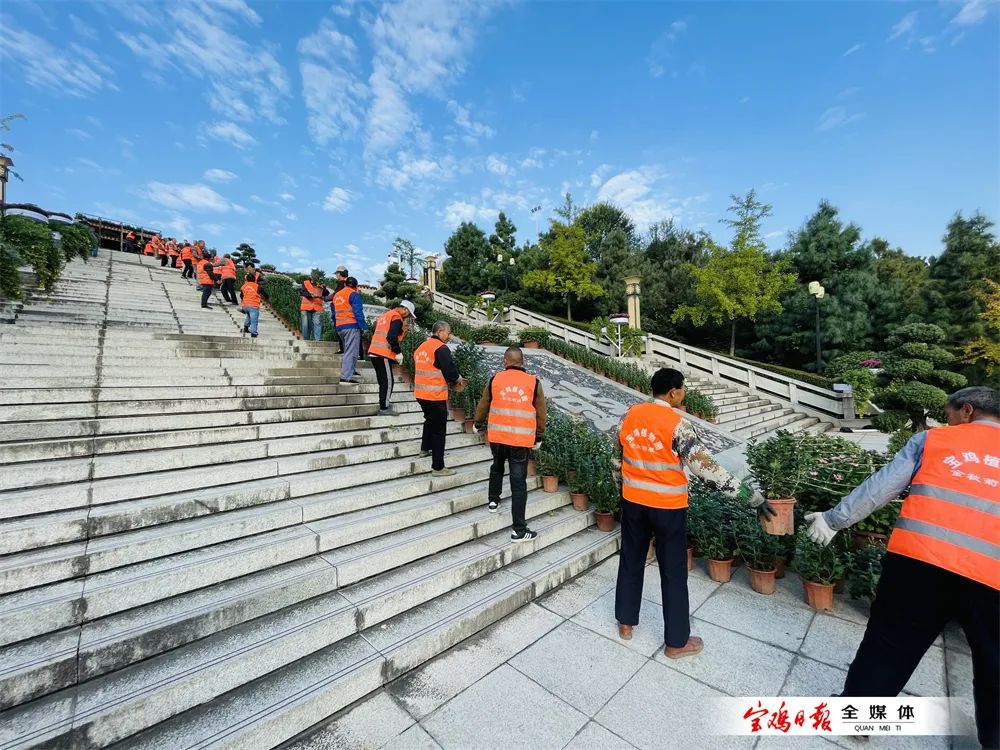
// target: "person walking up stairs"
[[349, 320], [434, 372], [187, 258], [226, 270], [163, 251], [313, 294], [206, 280], [250, 294], [385, 349]]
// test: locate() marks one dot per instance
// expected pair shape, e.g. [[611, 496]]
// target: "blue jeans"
[[93, 251], [311, 317], [253, 315]]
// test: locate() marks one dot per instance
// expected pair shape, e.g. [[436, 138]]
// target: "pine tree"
[[244, 254]]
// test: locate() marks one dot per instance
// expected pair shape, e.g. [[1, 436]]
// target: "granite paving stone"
[[765, 618], [414, 738], [733, 663], [500, 707], [367, 725], [699, 588], [581, 592], [647, 636], [429, 686], [661, 707], [597, 670], [595, 737]]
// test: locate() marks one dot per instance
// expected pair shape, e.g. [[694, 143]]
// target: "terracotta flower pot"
[[550, 483], [580, 500], [470, 425], [532, 345], [532, 468], [458, 413], [690, 559], [784, 522], [605, 521], [761, 581], [819, 595], [720, 571], [779, 568]]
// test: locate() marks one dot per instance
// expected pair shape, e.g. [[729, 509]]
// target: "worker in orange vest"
[[654, 445], [161, 251], [250, 295], [349, 321], [226, 270], [385, 349], [943, 558], [206, 280], [513, 410], [187, 258], [150, 246], [174, 253], [313, 294], [434, 371]]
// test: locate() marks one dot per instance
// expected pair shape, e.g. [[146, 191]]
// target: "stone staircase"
[[207, 541], [748, 414]]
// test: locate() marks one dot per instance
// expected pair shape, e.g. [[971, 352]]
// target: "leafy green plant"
[[605, 494], [816, 563], [862, 382], [32, 242], [850, 361], [776, 465], [759, 549], [899, 438], [713, 522], [833, 467], [699, 404], [881, 521], [10, 277], [537, 334], [864, 570], [77, 240], [496, 333]]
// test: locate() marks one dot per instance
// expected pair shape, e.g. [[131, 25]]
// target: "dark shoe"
[[695, 645], [348, 381], [388, 412], [253, 335], [625, 632], [527, 536], [246, 330], [206, 307], [493, 505]]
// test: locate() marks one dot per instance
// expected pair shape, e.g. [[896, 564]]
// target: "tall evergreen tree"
[[667, 282], [468, 251], [244, 254], [902, 291], [570, 275]]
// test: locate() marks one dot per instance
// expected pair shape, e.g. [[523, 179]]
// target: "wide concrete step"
[[746, 415], [780, 418], [737, 403], [407, 621], [280, 705], [763, 414]]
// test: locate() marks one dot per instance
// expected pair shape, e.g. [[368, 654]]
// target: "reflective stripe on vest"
[[951, 518], [204, 275], [251, 294], [342, 310], [652, 474], [311, 304], [512, 419], [428, 381], [380, 339], [227, 269]]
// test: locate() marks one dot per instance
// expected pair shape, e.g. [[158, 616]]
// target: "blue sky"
[[318, 131]]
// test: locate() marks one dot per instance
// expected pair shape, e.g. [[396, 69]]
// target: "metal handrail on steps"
[[811, 399]]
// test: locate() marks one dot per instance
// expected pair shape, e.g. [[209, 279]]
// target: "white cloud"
[[662, 48], [464, 120], [597, 177], [186, 196], [79, 134], [219, 175], [905, 27], [498, 166], [337, 201], [410, 171], [333, 93], [72, 70], [82, 28], [852, 49], [594, 135], [232, 133], [530, 163], [972, 12], [352, 248], [636, 192], [458, 212], [287, 197], [836, 117]]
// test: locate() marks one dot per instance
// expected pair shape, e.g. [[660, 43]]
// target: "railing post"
[[793, 393], [715, 369], [751, 380]]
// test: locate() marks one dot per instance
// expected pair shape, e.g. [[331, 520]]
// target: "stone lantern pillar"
[[632, 294], [432, 273]]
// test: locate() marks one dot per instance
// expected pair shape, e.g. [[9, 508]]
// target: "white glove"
[[399, 358], [819, 530]]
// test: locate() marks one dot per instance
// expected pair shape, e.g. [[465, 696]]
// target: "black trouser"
[[669, 527], [206, 292], [229, 290], [173, 261], [188, 272], [383, 371], [163, 260], [435, 430], [913, 603], [517, 458]]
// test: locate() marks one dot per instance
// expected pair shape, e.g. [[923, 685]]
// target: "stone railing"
[[805, 397]]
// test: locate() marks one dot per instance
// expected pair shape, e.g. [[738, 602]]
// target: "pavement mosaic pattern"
[[555, 675], [602, 402]]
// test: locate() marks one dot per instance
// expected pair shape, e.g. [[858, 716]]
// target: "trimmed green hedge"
[[789, 372]]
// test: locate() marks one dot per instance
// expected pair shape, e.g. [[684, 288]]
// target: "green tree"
[[409, 257], [570, 276], [971, 255], [915, 381], [501, 274], [614, 262], [667, 282], [901, 295], [394, 288], [468, 251], [984, 352], [599, 221], [244, 254], [741, 282], [568, 210], [827, 251]]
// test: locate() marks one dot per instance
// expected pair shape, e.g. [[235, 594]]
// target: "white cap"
[[409, 306]]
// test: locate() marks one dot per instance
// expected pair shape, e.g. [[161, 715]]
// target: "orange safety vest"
[[148, 249], [161, 248], [428, 382], [512, 409], [251, 294], [130, 236], [205, 273], [186, 253], [227, 269], [342, 310], [652, 474], [951, 518], [314, 304], [380, 339], [173, 251]]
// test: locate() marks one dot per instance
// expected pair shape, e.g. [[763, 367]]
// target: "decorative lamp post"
[[5, 164], [617, 320], [633, 292], [816, 290], [508, 264], [488, 296]]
